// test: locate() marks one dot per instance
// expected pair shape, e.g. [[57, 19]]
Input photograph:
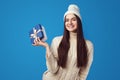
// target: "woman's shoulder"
[[89, 45], [57, 38]]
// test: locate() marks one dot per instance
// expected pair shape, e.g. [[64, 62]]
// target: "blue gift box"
[[37, 32]]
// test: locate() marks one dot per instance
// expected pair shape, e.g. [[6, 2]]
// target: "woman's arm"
[[84, 71], [51, 60], [51, 57]]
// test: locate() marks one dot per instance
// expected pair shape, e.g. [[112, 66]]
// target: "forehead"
[[70, 15]]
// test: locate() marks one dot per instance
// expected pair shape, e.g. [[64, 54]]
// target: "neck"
[[73, 35]]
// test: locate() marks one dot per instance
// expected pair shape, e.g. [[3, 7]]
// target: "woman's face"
[[71, 23]]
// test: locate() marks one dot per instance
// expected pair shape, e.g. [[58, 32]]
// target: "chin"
[[71, 30]]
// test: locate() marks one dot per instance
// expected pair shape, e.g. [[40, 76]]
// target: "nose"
[[70, 21]]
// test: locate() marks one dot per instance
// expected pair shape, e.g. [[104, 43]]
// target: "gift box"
[[37, 31]]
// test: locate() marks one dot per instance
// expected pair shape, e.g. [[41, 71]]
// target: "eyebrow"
[[70, 18]]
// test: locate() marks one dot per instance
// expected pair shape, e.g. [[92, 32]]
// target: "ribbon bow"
[[35, 32]]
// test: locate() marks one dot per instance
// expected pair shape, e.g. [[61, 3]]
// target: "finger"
[[33, 44], [34, 41], [38, 39]]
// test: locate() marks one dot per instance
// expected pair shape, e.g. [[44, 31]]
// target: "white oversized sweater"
[[71, 72]]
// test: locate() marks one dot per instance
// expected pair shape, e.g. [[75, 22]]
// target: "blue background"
[[19, 60]]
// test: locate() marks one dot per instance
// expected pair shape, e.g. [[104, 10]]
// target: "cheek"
[[75, 24], [66, 24]]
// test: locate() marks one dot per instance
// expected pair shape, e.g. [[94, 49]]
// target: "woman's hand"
[[38, 42]]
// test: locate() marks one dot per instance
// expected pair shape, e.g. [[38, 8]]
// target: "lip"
[[70, 26]]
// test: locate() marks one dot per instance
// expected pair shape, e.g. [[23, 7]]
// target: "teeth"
[[71, 26]]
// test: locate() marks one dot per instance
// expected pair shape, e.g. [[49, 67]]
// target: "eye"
[[74, 19], [66, 20]]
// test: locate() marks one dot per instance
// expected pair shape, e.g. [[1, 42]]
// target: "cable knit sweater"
[[71, 72]]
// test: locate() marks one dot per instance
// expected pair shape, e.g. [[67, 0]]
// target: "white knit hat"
[[73, 9]]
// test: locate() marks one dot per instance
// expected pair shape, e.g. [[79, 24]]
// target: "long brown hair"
[[65, 45]]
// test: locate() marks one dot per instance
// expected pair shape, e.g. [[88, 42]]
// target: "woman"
[[70, 56]]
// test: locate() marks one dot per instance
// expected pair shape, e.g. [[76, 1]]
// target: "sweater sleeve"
[[84, 71], [51, 61]]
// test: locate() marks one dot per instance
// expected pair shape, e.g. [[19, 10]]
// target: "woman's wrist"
[[46, 45], [48, 53]]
